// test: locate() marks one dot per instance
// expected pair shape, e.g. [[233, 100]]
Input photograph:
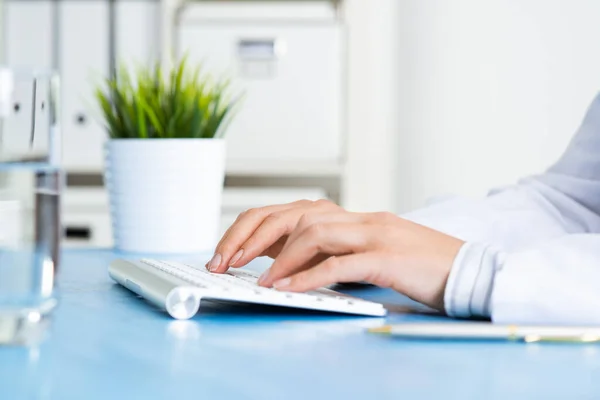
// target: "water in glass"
[[30, 188]]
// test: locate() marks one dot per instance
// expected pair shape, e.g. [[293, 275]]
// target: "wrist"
[[470, 282], [446, 265]]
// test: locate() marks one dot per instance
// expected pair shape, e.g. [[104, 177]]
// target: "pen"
[[489, 331]]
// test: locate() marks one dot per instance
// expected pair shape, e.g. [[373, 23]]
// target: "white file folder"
[[29, 47], [84, 62], [137, 37]]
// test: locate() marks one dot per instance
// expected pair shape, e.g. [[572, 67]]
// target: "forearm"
[[513, 218]]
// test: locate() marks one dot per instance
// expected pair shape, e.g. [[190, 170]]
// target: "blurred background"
[[375, 104]]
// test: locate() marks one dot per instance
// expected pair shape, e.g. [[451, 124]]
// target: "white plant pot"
[[165, 194]]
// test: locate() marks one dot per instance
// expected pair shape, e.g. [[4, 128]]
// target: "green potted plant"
[[165, 157]]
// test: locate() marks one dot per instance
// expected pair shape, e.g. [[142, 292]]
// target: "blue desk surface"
[[106, 343]]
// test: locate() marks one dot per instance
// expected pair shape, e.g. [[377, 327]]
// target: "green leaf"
[[125, 114], [196, 124], [112, 124], [179, 75], [153, 119], [143, 132]]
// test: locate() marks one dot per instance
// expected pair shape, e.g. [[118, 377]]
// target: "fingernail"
[[282, 283], [236, 257], [263, 277], [214, 263]]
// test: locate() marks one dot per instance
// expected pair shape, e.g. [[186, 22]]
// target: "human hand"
[[317, 244], [263, 232]]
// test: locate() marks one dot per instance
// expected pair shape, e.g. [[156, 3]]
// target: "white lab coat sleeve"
[[532, 251], [557, 282]]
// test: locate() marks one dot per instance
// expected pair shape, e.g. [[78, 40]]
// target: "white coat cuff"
[[471, 280]]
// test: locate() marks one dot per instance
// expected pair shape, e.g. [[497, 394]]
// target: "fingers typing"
[[272, 229], [230, 251], [230, 245], [336, 238]]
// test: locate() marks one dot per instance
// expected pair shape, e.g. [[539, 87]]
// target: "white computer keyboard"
[[178, 288]]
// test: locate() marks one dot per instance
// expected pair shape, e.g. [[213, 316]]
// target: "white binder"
[[136, 32], [29, 46], [84, 62]]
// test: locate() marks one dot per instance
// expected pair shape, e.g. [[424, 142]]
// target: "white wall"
[[372, 104], [489, 90], [2, 24]]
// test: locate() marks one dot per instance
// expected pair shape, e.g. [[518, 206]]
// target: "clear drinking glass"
[[31, 182]]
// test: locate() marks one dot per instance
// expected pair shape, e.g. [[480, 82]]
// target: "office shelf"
[[283, 168]]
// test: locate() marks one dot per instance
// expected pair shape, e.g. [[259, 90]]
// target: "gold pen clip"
[[381, 329]]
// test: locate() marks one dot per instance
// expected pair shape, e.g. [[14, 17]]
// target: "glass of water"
[[31, 182]]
